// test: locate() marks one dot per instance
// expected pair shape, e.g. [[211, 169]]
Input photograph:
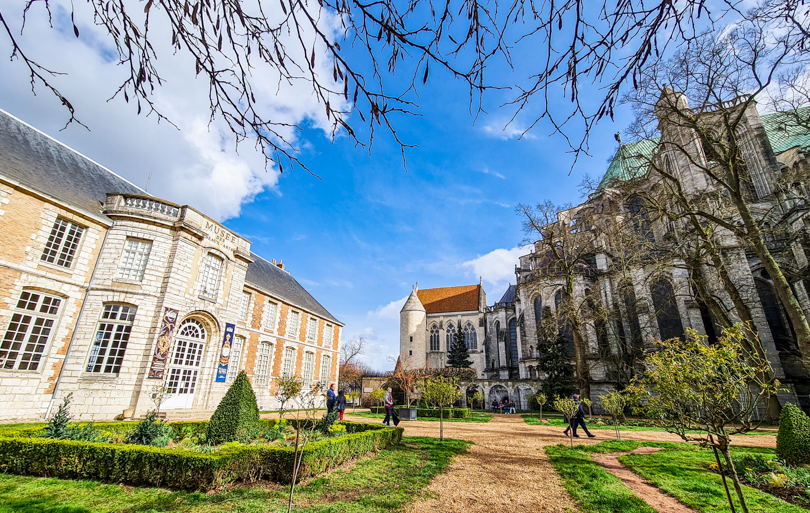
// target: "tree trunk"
[[734, 477], [441, 424], [580, 345]]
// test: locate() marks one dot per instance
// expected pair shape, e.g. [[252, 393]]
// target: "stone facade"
[[91, 265]]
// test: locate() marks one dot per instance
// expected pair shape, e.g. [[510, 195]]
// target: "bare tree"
[[351, 349]]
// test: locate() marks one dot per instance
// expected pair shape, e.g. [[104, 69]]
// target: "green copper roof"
[[784, 132], [631, 160]]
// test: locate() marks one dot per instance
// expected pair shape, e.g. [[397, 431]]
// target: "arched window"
[[470, 337], [594, 303], [434, 338], [666, 310], [451, 335], [513, 344], [629, 297], [538, 316], [770, 304], [564, 327], [641, 220]]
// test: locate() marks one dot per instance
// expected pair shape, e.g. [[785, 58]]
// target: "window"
[[307, 368], [292, 324], [209, 284], [112, 337], [538, 317], [666, 310], [327, 335], [470, 337], [312, 329], [434, 338], [450, 338], [326, 364], [512, 356], [244, 306], [270, 316], [61, 246], [29, 331], [236, 357], [287, 365], [263, 363], [133, 261]]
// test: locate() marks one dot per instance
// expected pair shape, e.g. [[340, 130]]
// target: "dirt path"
[[507, 470], [660, 501]]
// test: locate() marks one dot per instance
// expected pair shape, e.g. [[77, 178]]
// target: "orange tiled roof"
[[449, 299]]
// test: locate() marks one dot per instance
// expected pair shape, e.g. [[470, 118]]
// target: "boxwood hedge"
[[179, 468]]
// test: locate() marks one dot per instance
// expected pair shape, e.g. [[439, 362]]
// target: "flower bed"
[[25, 451]]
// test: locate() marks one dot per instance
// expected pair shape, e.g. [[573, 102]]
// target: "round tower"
[[412, 330]]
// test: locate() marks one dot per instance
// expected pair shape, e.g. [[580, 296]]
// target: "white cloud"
[[197, 164], [487, 171], [505, 131], [389, 311], [496, 267]]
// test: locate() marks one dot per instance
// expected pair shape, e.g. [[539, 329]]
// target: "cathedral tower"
[[412, 330]]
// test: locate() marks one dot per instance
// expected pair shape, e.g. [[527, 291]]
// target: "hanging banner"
[[160, 358], [225, 354]]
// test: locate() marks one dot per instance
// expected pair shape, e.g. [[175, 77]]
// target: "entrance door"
[[185, 367]]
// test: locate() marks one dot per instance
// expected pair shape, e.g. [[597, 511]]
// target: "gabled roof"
[[268, 278], [784, 132], [509, 295], [44, 164], [450, 299]]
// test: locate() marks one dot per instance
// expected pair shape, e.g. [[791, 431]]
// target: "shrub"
[[326, 422], [57, 425], [151, 431], [237, 416], [793, 440]]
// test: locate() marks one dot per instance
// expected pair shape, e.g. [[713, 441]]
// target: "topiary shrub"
[[793, 440], [237, 416]]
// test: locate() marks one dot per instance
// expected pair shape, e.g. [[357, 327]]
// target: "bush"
[[57, 425], [326, 422], [237, 416], [793, 440], [187, 469], [151, 431]]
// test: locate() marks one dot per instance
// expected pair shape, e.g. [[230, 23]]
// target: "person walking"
[[389, 404], [330, 398], [578, 420], [340, 404]]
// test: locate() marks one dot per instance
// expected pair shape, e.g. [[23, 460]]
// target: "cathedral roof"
[[44, 164], [784, 132], [413, 304], [509, 295], [450, 299]]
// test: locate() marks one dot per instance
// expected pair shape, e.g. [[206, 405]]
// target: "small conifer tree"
[[459, 355], [237, 416]]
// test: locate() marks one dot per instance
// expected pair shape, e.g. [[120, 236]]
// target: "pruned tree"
[[615, 403], [441, 393], [569, 408], [406, 377], [288, 387]]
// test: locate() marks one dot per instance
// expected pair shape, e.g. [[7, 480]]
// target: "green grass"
[[594, 489], [386, 482], [472, 417], [555, 420], [682, 473]]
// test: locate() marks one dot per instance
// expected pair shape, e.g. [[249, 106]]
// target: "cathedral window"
[[134, 259], [641, 221], [29, 331], [111, 340], [451, 335], [513, 344], [470, 337], [62, 243], [236, 357], [434, 338], [666, 310]]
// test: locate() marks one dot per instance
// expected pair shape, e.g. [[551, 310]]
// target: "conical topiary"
[[793, 440], [237, 416]]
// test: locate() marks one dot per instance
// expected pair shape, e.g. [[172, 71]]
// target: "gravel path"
[[508, 468]]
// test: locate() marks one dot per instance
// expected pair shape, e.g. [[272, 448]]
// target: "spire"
[[413, 303]]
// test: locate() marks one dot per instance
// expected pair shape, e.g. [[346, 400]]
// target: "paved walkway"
[[507, 470]]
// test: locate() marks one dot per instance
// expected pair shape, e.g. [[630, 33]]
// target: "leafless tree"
[[351, 349]]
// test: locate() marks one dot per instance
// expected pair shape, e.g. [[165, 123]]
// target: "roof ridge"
[[85, 157]]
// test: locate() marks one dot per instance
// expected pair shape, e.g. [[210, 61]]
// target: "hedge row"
[[179, 468], [449, 413]]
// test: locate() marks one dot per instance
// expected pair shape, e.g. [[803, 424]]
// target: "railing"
[[136, 203], [723, 105]]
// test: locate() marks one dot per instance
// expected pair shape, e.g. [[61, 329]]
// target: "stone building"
[[110, 294], [658, 301]]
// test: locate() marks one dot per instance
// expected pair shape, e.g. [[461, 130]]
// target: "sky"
[[362, 234]]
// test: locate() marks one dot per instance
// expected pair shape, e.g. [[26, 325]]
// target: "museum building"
[[110, 294]]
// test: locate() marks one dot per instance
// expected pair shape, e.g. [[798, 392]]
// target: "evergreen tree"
[[556, 364], [237, 416], [459, 355]]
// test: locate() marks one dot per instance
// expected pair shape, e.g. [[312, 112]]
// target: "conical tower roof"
[[413, 304]]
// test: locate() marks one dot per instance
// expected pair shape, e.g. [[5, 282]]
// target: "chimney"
[[280, 265], [273, 261]]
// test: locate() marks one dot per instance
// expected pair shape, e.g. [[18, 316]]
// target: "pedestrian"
[[578, 420], [330, 398], [389, 405], [340, 404]]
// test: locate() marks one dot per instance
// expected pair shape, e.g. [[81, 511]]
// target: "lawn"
[[556, 420], [472, 417], [386, 482]]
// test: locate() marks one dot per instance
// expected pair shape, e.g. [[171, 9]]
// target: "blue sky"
[[363, 234]]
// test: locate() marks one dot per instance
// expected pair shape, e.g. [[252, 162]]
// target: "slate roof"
[[42, 163], [450, 299], [509, 295], [281, 285], [784, 132]]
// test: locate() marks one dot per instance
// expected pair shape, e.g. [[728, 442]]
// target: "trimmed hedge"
[[190, 470], [449, 413], [236, 419], [793, 440]]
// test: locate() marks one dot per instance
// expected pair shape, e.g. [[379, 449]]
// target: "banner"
[[225, 355], [164, 344]]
